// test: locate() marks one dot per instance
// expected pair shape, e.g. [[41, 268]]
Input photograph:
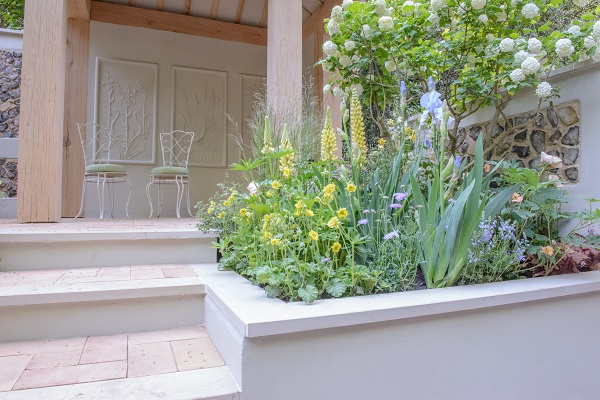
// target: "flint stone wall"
[[554, 130], [10, 103]]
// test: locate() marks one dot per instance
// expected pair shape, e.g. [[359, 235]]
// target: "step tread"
[[94, 284], [179, 363]]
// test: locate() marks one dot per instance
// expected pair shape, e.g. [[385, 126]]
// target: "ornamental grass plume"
[[357, 125], [328, 142], [267, 142], [286, 162]]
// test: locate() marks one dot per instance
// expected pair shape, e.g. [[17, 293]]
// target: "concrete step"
[[180, 363], [107, 243], [65, 303]]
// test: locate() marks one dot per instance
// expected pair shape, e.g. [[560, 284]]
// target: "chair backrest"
[[176, 147], [96, 143]]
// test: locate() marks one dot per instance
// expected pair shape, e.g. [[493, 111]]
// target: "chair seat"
[[99, 168], [169, 171]]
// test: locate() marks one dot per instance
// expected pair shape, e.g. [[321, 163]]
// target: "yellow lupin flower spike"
[[357, 125], [328, 141], [286, 162]]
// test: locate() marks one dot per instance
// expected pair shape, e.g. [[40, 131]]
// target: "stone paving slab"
[[39, 364]]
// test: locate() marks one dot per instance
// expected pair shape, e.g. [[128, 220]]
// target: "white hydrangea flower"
[[346, 3], [534, 46], [501, 16], [358, 87], [345, 61], [386, 24], [330, 48], [489, 37], [580, 3], [333, 27], [349, 45], [507, 45], [564, 47], [574, 30], [483, 19], [596, 30], [478, 4], [327, 89], [520, 56], [530, 66], [491, 51], [437, 5], [514, 3], [530, 11], [589, 42], [434, 19], [355, 58], [517, 75], [367, 31], [338, 92], [337, 14], [390, 65], [543, 90], [410, 3]]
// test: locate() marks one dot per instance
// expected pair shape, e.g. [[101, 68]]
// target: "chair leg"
[[160, 198], [148, 195], [82, 200], [188, 199], [128, 198], [111, 199], [179, 182], [100, 193]]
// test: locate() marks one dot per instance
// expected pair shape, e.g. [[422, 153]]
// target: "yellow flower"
[[329, 189], [243, 211], [286, 162], [275, 242], [342, 212], [210, 210], [309, 213], [313, 235], [287, 172], [227, 203], [270, 193], [411, 134], [275, 185], [267, 143], [336, 247], [334, 222], [328, 141], [357, 124], [267, 217], [221, 215], [548, 250], [380, 143], [267, 235], [351, 188], [486, 168]]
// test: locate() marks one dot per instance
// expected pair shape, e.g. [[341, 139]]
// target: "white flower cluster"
[[534, 46], [478, 4], [349, 45], [589, 42], [580, 3], [489, 37], [345, 61], [367, 31], [330, 48], [333, 27], [327, 89], [386, 24], [409, 3], [564, 48], [381, 8], [530, 66], [596, 30], [337, 14], [346, 3], [517, 75], [434, 19], [437, 5], [574, 30], [338, 92], [483, 19], [358, 87], [390, 65], [507, 45], [520, 56], [543, 90], [501, 16], [530, 11]]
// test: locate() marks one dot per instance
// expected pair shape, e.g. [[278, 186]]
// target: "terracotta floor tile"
[[196, 354], [58, 353], [20, 348], [147, 273], [79, 272], [100, 349], [11, 369], [71, 374], [41, 278], [168, 335], [123, 272], [150, 359], [179, 272]]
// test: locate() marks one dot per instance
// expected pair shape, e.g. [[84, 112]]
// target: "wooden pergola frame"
[[56, 45]]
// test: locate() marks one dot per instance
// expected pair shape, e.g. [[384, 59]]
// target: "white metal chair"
[[98, 168], [176, 147]]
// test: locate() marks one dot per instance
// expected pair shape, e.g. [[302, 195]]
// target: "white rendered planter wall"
[[528, 339]]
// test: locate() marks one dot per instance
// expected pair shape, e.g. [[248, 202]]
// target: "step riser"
[[98, 318], [104, 253]]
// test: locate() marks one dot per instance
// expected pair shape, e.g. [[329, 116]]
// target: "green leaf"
[[308, 294], [336, 287]]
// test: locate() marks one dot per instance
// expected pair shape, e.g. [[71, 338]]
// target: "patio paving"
[[56, 362]]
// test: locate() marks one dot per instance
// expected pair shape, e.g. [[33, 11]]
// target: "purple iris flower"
[[402, 88], [431, 83], [428, 143], [457, 161], [432, 104]]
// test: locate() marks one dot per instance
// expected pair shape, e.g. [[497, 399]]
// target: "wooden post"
[[42, 113], [284, 57], [78, 43]]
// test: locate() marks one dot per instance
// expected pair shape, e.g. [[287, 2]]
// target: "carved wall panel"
[[126, 100], [199, 105]]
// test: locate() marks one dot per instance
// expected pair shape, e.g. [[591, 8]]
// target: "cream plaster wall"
[[167, 50]]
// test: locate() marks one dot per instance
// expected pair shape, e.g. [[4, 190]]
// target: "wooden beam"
[[188, 6], [307, 10], [238, 15], [160, 5], [215, 7], [78, 43], [186, 24], [263, 18], [132, 3], [316, 20], [79, 9], [42, 111]]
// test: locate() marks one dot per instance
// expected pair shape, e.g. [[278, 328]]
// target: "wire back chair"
[[176, 147], [96, 143]]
